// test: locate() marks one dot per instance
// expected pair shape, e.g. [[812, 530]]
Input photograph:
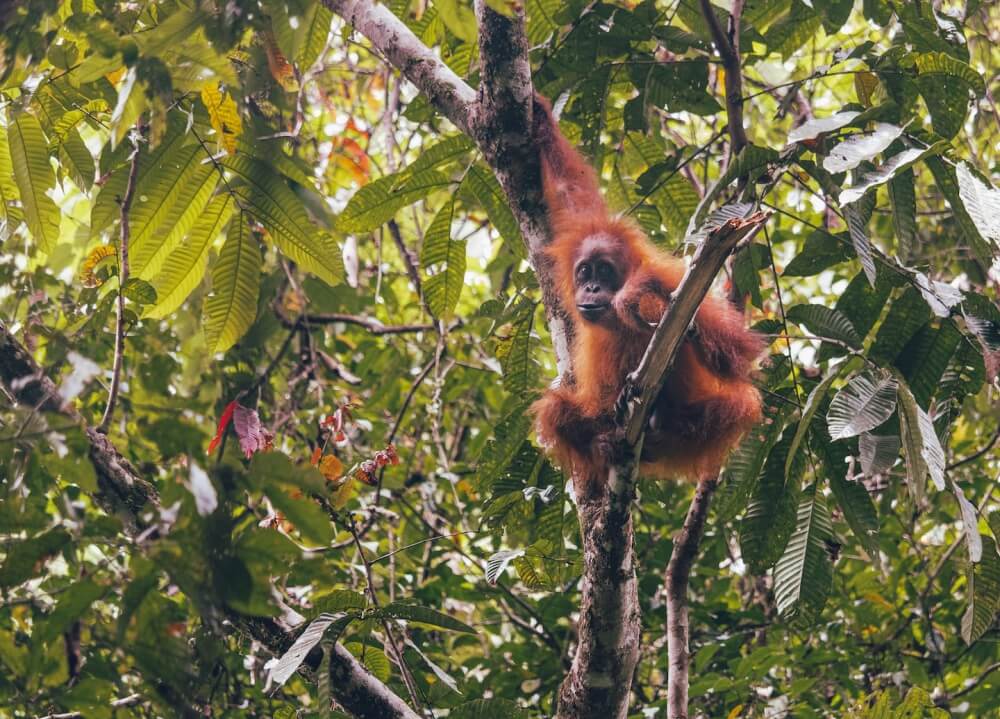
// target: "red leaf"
[[253, 436], [227, 416]]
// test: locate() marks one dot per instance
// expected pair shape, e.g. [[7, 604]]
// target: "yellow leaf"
[[114, 77], [865, 84], [343, 493], [94, 258], [736, 711], [331, 467], [224, 116], [720, 80]]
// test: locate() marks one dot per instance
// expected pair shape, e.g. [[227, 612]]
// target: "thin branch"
[[123, 275], [369, 323], [130, 701], [978, 453], [975, 682], [393, 39], [404, 669], [678, 574], [729, 51]]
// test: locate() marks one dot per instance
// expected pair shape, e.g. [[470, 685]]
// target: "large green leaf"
[[167, 202], [377, 202], [770, 517], [232, 306], [804, 574], [8, 187], [425, 615], [921, 446], [442, 258], [982, 594], [184, 269], [867, 401], [824, 323], [812, 405], [946, 181], [29, 155], [902, 196], [881, 174], [483, 186], [268, 198], [982, 202]]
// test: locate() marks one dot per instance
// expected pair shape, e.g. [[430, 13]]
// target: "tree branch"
[[123, 275], [123, 492], [390, 36], [678, 573], [729, 52]]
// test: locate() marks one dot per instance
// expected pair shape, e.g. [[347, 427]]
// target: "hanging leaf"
[[970, 524], [232, 306], [820, 251], [861, 147], [881, 174], [282, 669], [982, 593], [804, 574], [425, 615], [224, 116], [878, 452], [921, 446], [268, 198], [252, 435], [813, 403], [857, 225], [29, 157], [867, 401], [184, 269], [946, 181], [483, 186], [903, 197], [769, 520], [981, 201], [825, 323], [859, 512], [498, 562], [443, 261], [166, 206], [377, 202]]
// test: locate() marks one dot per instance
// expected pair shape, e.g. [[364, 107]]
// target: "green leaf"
[[377, 202], [770, 517], [903, 197], [29, 155], [19, 564], [340, 600], [424, 615], [72, 604], [139, 291], [937, 64], [512, 430], [443, 260], [905, 318], [983, 593], [825, 323], [820, 251], [813, 403], [744, 466], [106, 207], [860, 147], [878, 452], [867, 401], [881, 174], [751, 163], [921, 446], [308, 517], [925, 358], [184, 269], [268, 198], [489, 708], [516, 354], [981, 201], [232, 306], [167, 203], [75, 156], [804, 574], [858, 509], [857, 225], [946, 180], [483, 186]]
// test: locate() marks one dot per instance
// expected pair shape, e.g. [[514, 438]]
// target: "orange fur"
[[708, 401]]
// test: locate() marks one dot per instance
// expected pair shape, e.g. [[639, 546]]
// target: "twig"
[[977, 454], [436, 537], [678, 573], [130, 701], [404, 670], [369, 323], [729, 51], [123, 274], [975, 682]]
